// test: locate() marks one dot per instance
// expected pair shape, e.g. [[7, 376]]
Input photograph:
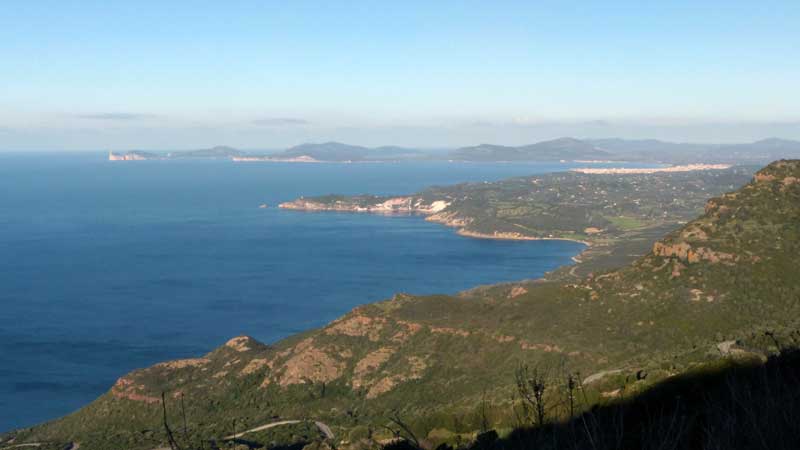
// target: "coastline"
[[631, 171], [430, 216], [498, 235]]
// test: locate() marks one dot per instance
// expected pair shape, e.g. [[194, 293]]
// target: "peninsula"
[[618, 215], [218, 152]]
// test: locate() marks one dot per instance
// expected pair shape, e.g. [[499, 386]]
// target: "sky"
[[116, 75]]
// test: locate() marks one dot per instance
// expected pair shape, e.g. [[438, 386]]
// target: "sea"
[[109, 266]]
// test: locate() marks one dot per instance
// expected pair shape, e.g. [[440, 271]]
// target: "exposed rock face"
[[516, 291], [450, 219], [255, 365], [183, 363], [761, 177], [414, 369], [369, 364], [358, 325], [693, 244], [450, 331], [685, 252], [240, 343], [311, 364], [373, 205], [125, 388], [411, 329], [129, 156]]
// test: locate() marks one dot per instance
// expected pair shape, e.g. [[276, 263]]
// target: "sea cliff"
[[371, 204]]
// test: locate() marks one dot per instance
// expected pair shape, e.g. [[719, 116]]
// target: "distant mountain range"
[[562, 149]]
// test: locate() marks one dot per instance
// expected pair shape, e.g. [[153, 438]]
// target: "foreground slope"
[[707, 290]]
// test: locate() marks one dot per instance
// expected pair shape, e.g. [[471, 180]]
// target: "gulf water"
[[110, 266]]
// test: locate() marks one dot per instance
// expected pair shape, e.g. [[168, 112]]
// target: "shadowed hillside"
[[738, 405]]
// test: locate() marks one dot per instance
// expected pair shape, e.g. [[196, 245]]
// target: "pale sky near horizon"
[[267, 75]]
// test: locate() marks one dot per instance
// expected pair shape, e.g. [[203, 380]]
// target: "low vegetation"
[[619, 215], [711, 298]]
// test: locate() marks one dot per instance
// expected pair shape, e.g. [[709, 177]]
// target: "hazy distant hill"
[[337, 151], [647, 147], [214, 152], [654, 150], [763, 150], [554, 150]]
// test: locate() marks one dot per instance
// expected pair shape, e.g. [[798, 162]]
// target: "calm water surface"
[[110, 266]]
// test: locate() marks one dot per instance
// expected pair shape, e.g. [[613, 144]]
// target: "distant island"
[[556, 150]]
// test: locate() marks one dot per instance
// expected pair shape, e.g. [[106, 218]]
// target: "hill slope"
[[707, 290], [620, 215], [339, 152], [553, 150]]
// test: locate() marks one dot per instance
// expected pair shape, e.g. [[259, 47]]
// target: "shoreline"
[[429, 217], [498, 235], [631, 170]]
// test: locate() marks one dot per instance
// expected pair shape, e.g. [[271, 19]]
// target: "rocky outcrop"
[[414, 368], [516, 291], [450, 219], [126, 388], [369, 364], [242, 343], [372, 205], [131, 156], [686, 252], [311, 364], [358, 325]]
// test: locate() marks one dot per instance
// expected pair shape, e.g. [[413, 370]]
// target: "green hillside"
[[619, 215], [446, 365]]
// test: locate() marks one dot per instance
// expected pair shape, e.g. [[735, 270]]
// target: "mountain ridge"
[[560, 149]]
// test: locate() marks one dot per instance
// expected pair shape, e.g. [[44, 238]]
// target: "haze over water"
[[106, 267]]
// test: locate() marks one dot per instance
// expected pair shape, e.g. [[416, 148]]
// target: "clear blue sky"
[[172, 74]]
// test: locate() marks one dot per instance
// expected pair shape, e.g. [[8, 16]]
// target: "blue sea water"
[[110, 266]]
